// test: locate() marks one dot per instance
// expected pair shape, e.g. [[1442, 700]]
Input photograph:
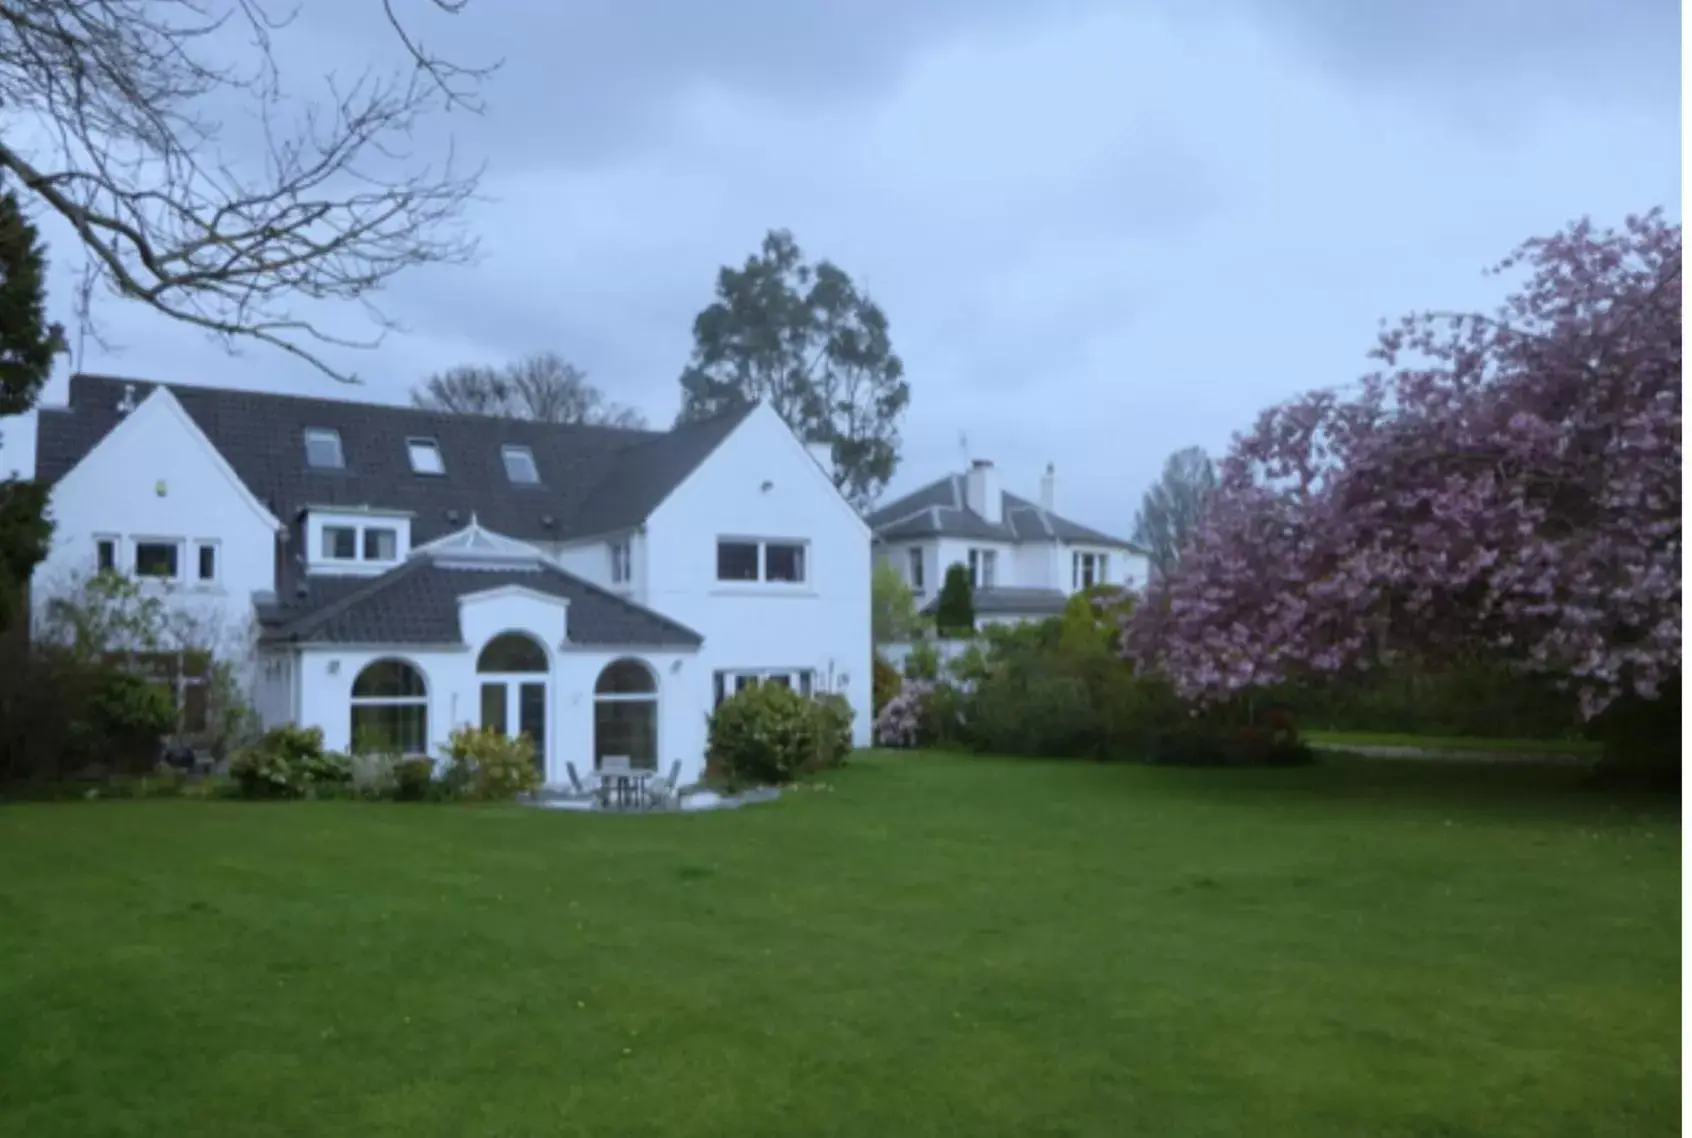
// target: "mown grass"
[[1340, 740], [934, 945]]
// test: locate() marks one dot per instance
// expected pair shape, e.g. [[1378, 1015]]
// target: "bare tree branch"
[[132, 157]]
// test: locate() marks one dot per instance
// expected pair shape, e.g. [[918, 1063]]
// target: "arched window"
[[512, 652], [625, 714], [390, 709]]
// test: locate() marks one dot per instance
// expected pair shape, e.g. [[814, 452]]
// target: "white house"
[[1024, 559], [377, 568]]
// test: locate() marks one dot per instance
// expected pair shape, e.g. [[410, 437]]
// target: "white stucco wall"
[[454, 695], [823, 624], [155, 476]]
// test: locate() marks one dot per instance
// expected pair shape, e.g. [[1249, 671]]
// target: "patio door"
[[513, 690]]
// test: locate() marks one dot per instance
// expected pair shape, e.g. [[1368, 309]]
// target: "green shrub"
[[414, 780], [954, 614], [765, 734], [486, 766], [886, 682], [289, 762], [923, 663], [834, 731], [129, 714], [1044, 715]]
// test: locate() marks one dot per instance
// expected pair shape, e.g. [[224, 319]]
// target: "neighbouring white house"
[[1025, 560], [382, 569]]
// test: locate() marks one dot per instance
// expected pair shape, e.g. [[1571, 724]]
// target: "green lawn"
[[938, 945], [1344, 739]]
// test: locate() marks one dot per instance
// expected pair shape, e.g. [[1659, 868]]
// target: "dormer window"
[[323, 448], [425, 456], [520, 465]]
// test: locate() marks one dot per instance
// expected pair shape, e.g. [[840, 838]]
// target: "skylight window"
[[520, 465], [323, 448], [425, 456]]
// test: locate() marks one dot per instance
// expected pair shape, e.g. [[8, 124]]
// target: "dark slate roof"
[[417, 603], [1009, 600], [941, 509], [594, 480]]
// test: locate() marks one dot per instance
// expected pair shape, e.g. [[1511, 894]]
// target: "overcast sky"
[[1101, 231]]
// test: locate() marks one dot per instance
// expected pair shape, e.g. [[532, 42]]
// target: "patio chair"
[[611, 766]]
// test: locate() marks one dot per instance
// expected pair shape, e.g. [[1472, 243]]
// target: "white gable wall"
[[155, 476], [823, 624]]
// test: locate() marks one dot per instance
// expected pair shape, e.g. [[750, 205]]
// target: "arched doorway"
[[625, 714], [512, 669]]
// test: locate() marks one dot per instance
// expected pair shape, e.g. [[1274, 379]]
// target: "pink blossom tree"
[[1505, 486]]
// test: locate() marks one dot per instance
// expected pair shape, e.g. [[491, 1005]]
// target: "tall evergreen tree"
[[27, 346]]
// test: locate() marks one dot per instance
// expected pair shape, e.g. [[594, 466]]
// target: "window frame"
[[321, 435], [726, 682], [983, 567], [761, 564], [327, 550], [113, 540], [421, 444], [622, 562], [203, 546], [174, 544], [365, 533], [800, 549], [356, 702], [757, 560], [914, 568], [1088, 569], [508, 451]]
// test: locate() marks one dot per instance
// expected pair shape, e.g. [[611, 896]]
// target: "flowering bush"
[[1506, 484], [900, 721], [486, 766]]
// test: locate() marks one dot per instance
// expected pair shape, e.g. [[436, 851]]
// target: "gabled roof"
[[941, 509], [593, 480], [417, 603]]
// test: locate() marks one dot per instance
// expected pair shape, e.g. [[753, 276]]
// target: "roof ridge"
[[642, 434]]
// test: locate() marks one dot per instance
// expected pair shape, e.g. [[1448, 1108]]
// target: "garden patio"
[[916, 944]]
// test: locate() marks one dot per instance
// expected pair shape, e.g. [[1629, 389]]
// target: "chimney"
[[1048, 489], [982, 492]]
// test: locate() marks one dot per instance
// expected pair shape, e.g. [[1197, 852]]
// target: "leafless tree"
[[544, 387], [113, 123]]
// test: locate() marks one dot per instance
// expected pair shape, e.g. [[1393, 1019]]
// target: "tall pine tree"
[[27, 346]]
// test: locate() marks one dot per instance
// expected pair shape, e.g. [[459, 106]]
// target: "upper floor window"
[[622, 565], [340, 543], [761, 561], [737, 560], [784, 561], [425, 456], [520, 464], [380, 544], [323, 448], [914, 561], [983, 568], [205, 558], [162, 559], [1089, 569]]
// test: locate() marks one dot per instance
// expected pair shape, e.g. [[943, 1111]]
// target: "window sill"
[[761, 589]]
